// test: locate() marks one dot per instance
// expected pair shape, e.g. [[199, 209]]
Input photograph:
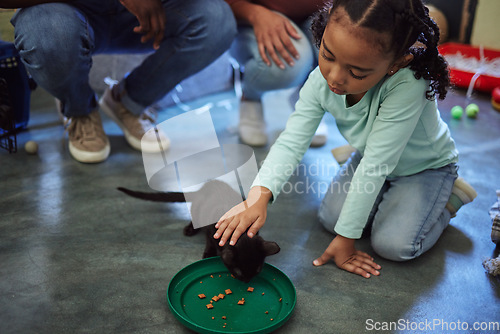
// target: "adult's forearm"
[[25, 3]]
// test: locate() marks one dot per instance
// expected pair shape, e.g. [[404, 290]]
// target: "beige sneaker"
[[462, 193], [252, 126], [87, 141], [135, 128]]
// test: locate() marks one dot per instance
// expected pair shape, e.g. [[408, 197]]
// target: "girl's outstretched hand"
[[346, 257], [250, 214]]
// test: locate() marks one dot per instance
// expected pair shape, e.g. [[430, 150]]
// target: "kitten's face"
[[244, 267], [246, 258]]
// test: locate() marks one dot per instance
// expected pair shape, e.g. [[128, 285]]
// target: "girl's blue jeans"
[[259, 78], [56, 42], [409, 214]]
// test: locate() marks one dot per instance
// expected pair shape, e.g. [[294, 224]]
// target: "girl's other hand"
[[250, 214], [346, 257]]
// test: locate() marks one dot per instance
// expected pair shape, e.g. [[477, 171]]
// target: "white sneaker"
[[252, 127], [321, 135], [135, 128]]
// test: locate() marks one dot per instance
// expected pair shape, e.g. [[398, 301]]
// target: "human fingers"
[[263, 53], [158, 24], [147, 29], [238, 231], [275, 48], [226, 217], [285, 48], [365, 257], [268, 41], [255, 227], [360, 265], [290, 32], [350, 267], [324, 258], [233, 231]]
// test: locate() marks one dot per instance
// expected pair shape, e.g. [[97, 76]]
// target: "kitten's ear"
[[227, 256], [270, 247]]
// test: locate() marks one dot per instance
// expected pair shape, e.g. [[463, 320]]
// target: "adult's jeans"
[[56, 42], [259, 78]]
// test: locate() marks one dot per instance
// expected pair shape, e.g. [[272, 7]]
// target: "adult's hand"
[[274, 32], [151, 17]]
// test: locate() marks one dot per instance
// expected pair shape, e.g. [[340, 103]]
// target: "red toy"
[[495, 98]]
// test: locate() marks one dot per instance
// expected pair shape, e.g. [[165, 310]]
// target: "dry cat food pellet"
[[281, 299], [228, 292], [272, 319], [213, 318], [241, 302], [263, 293], [209, 306], [250, 289], [224, 317], [201, 295], [221, 296], [267, 312], [215, 298]]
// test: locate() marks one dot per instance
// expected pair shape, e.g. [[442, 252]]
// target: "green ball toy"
[[457, 112], [472, 110]]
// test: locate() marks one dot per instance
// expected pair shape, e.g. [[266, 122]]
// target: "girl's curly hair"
[[411, 28]]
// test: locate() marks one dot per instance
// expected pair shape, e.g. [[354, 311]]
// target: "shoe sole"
[[464, 190], [89, 157]]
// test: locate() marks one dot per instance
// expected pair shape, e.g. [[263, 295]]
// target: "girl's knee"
[[392, 248]]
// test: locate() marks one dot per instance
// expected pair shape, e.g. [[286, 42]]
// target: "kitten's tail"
[[155, 196]]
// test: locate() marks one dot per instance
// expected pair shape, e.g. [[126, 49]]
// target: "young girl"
[[379, 75]]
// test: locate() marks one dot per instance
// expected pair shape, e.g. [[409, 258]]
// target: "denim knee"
[[218, 20], [392, 248], [50, 34]]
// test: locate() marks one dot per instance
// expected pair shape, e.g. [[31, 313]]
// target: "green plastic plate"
[[266, 308]]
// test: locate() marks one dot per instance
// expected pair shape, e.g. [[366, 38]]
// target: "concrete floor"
[[77, 256]]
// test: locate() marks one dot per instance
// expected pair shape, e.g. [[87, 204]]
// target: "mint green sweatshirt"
[[396, 129]]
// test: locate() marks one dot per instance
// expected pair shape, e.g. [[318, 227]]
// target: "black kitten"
[[245, 259]]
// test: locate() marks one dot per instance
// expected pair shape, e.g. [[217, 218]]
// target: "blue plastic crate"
[[14, 73]]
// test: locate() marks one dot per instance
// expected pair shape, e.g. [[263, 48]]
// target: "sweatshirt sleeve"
[[289, 148], [401, 106]]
